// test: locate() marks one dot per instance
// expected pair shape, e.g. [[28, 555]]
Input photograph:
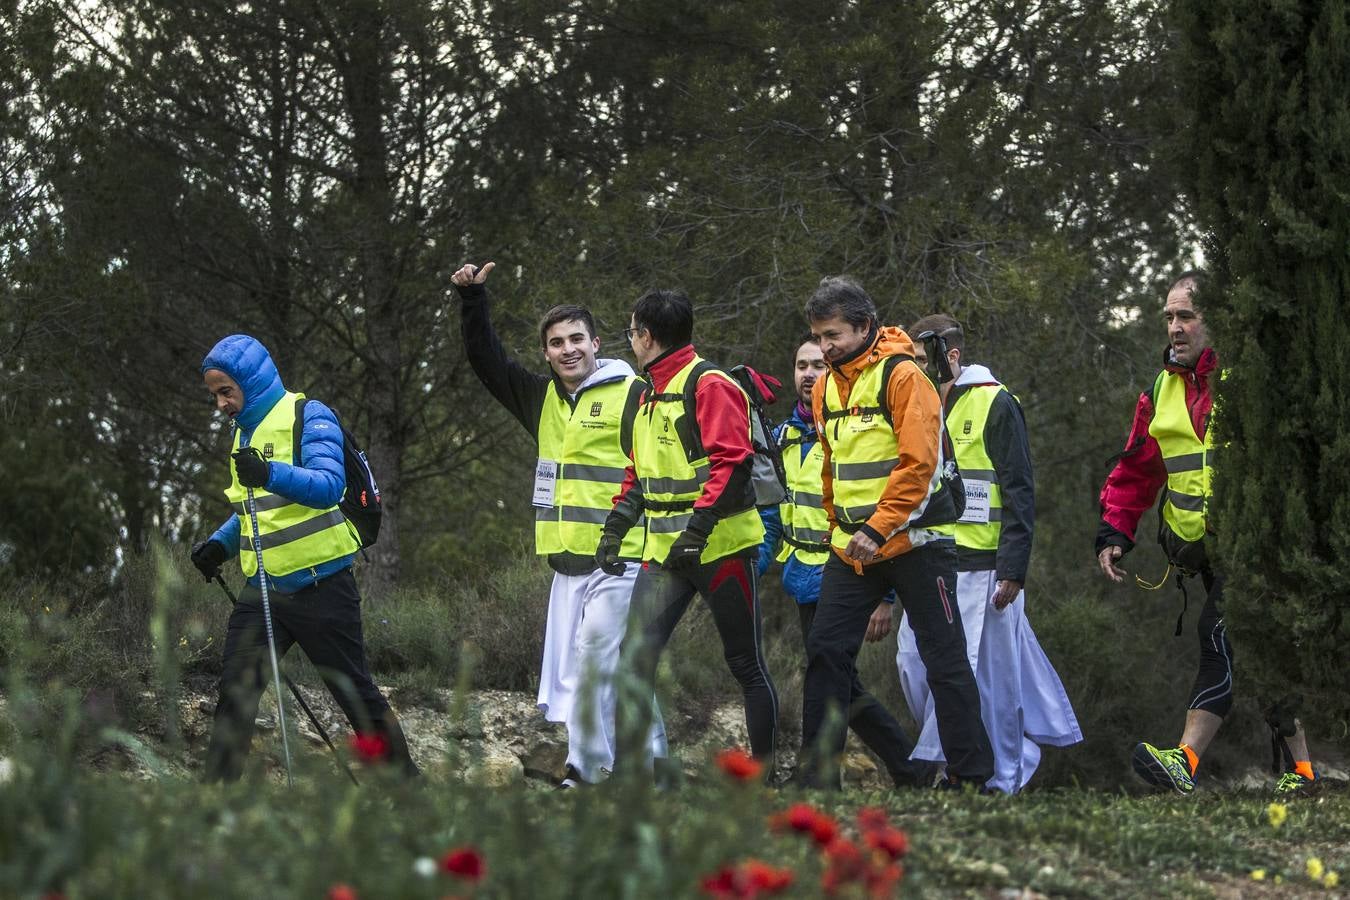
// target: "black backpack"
[[361, 501]]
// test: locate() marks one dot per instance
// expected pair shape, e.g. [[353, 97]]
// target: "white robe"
[[587, 618], [1022, 700]]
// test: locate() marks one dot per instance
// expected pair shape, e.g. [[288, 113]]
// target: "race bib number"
[[977, 502], [545, 482]]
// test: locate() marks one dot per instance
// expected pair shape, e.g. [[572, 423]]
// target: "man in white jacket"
[[1022, 701], [580, 417]]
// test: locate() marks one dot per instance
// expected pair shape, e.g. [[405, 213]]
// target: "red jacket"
[[1133, 485], [723, 423]]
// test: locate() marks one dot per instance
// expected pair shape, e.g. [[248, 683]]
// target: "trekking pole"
[[299, 698], [271, 641]]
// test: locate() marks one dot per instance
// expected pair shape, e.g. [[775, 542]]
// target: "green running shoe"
[[1291, 783], [1167, 769]]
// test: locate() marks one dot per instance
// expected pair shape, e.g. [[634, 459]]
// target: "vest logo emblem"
[[965, 429], [667, 420], [596, 407], [268, 452], [867, 419]]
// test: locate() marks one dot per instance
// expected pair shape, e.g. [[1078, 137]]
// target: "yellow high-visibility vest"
[[1188, 459], [673, 467], [965, 426], [294, 537], [806, 527], [863, 450], [580, 446]]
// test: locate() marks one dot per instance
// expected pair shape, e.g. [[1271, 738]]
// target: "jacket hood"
[[889, 341], [247, 361], [975, 374], [607, 370]]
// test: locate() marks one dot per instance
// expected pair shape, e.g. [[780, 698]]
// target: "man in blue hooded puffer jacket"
[[308, 549]]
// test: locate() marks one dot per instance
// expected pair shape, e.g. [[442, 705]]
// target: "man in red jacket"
[[689, 485], [1170, 446]]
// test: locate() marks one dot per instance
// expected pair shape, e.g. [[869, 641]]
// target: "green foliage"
[[1271, 143], [88, 835]]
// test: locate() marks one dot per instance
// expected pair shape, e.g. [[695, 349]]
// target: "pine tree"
[[1266, 83]]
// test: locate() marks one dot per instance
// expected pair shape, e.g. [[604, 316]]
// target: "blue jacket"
[[318, 482]]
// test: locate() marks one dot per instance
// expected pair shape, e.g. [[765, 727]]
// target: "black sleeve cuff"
[[1110, 537], [472, 292], [873, 534]]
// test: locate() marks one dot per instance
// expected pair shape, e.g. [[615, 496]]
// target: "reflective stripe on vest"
[[965, 426], [583, 439], [863, 452], [294, 537], [1188, 459], [671, 482], [806, 527]]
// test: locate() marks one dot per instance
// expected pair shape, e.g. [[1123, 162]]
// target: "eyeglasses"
[[629, 332]]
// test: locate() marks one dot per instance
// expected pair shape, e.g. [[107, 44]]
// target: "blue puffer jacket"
[[319, 480]]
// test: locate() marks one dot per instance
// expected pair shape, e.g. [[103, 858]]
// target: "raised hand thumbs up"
[[471, 274]]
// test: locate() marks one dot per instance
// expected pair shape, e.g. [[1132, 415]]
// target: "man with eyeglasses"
[[690, 477], [579, 416]]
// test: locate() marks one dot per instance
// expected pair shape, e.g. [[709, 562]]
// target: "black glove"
[[208, 557], [607, 554], [685, 552], [252, 468]]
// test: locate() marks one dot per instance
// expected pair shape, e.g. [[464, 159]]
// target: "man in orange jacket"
[[879, 420]]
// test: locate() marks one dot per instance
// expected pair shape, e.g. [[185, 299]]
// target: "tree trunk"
[[366, 78]]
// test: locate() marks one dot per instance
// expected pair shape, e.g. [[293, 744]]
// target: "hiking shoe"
[[1291, 783], [572, 779], [1167, 769]]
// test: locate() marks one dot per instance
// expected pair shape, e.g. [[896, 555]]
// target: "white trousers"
[[587, 617], [1022, 700]]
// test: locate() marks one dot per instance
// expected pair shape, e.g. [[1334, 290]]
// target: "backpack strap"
[[691, 436], [298, 430], [630, 409], [888, 369]]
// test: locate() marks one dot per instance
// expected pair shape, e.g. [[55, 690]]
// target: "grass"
[[90, 675], [82, 834]]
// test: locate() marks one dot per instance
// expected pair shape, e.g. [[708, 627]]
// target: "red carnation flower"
[[721, 883], [748, 879], [797, 817], [871, 818], [739, 764], [890, 841], [766, 878], [882, 881], [824, 830], [464, 862], [341, 892], [371, 747], [846, 864]]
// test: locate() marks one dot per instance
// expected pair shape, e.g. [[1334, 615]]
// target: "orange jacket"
[[916, 411]]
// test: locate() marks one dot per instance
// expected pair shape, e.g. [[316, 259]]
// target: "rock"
[[858, 768], [546, 759], [497, 770]]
